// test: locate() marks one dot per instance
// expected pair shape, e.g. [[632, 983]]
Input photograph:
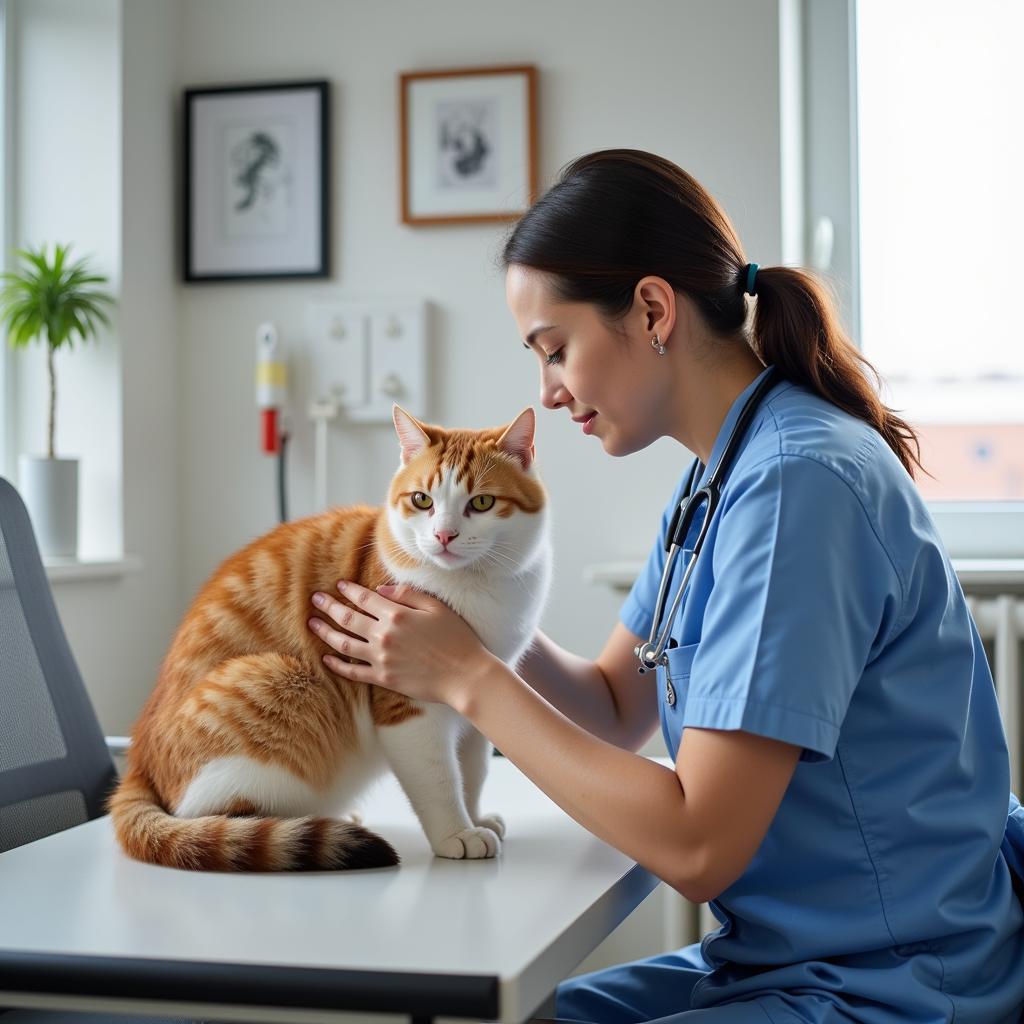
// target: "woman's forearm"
[[573, 684], [632, 803]]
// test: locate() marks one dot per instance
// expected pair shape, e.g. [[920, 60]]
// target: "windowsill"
[[972, 572], [69, 570], [975, 572]]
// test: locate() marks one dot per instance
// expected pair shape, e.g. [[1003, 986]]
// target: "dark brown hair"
[[618, 215]]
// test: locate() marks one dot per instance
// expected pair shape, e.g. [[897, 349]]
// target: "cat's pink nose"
[[445, 536]]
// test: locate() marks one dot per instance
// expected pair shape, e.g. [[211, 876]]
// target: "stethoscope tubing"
[[652, 653]]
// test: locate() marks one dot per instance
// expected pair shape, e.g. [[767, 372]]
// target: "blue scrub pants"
[[656, 990]]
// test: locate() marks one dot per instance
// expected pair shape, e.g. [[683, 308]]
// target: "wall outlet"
[[397, 361], [336, 351], [368, 354]]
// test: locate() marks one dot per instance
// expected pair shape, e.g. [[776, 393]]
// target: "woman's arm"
[[695, 826], [608, 697]]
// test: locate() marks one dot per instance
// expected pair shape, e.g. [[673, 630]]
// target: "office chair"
[[56, 768]]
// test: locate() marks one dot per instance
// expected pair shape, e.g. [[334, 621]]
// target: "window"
[[913, 150], [941, 158]]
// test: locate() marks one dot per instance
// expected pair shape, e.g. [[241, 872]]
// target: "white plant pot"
[[49, 488]]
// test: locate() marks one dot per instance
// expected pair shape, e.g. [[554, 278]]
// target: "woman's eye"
[[421, 500], [555, 357], [482, 502]]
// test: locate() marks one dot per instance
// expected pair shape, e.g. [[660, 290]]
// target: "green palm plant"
[[51, 301]]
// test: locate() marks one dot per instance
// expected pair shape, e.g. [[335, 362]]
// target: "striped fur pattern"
[[250, 756]]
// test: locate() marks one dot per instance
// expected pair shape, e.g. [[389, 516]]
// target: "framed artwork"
[[468, 142], [256, 177]]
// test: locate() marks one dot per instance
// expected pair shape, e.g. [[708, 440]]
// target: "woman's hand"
[[412, 643]]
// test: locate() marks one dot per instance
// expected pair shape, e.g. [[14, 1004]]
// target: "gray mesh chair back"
[[55, 769]]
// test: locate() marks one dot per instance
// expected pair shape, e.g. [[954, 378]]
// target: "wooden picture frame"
[[468, 144], [257, 181]]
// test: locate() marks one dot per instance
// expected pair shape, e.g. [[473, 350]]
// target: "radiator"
[[1000, 619]]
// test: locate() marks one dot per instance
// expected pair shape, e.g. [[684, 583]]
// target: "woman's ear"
[[654, 300]]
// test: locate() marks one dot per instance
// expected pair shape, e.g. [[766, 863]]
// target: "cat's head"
[[467, 498]]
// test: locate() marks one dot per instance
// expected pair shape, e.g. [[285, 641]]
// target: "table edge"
[[315, 988]]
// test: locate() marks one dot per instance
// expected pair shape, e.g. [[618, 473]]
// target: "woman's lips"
[[588, 423]]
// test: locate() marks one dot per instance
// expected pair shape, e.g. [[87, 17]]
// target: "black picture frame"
[[256, 175]]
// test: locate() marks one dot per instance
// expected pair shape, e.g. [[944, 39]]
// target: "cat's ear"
[[411, 435], [517, 439]]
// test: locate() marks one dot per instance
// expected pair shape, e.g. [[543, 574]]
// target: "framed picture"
[[256, 181], [468, 141]]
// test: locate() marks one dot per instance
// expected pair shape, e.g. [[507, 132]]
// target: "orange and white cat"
[[249, 751]]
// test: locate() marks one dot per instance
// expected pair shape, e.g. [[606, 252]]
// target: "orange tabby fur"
[[243, 676]]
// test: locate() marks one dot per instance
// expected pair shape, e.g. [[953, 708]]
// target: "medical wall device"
[[271, 386], [271, 400], [361, 356]]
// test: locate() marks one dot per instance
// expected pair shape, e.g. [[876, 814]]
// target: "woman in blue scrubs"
[[840, 791]]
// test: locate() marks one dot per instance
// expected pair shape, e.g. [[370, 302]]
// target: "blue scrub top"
[[823, 611]]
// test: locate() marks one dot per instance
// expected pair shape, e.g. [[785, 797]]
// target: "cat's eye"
[[422, 501], [482, 502]]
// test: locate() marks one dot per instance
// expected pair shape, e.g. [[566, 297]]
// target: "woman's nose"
[[553, 394]]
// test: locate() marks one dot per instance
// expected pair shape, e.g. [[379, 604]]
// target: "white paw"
[[495, 822], [469, 844], [354, 817]]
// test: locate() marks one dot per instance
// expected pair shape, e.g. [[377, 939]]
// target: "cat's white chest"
[[507, 615], [504, 611]]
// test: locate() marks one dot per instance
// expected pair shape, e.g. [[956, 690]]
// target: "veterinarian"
[[840, 791]]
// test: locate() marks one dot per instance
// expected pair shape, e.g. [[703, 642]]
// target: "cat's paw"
[[469, 844], [353, 817], [495, 822]]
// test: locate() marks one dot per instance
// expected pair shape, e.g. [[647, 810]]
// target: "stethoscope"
[[652, 653]]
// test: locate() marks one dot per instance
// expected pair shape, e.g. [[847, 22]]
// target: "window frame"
[[969, 529], [7, 80]]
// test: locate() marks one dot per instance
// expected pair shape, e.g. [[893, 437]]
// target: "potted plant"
[[54, 303]]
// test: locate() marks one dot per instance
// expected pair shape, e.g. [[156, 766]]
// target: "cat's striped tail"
[[221, 843]]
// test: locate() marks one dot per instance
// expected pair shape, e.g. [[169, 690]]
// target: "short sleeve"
[[802, 589], [638, 609]]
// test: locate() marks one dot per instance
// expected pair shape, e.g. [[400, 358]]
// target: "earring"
[[657, 345]]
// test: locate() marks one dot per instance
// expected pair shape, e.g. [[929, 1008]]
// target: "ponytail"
[[797, 330]]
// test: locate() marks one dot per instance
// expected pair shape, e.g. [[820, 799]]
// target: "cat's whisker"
[[503, 548], [504, 562], [496, 552]]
